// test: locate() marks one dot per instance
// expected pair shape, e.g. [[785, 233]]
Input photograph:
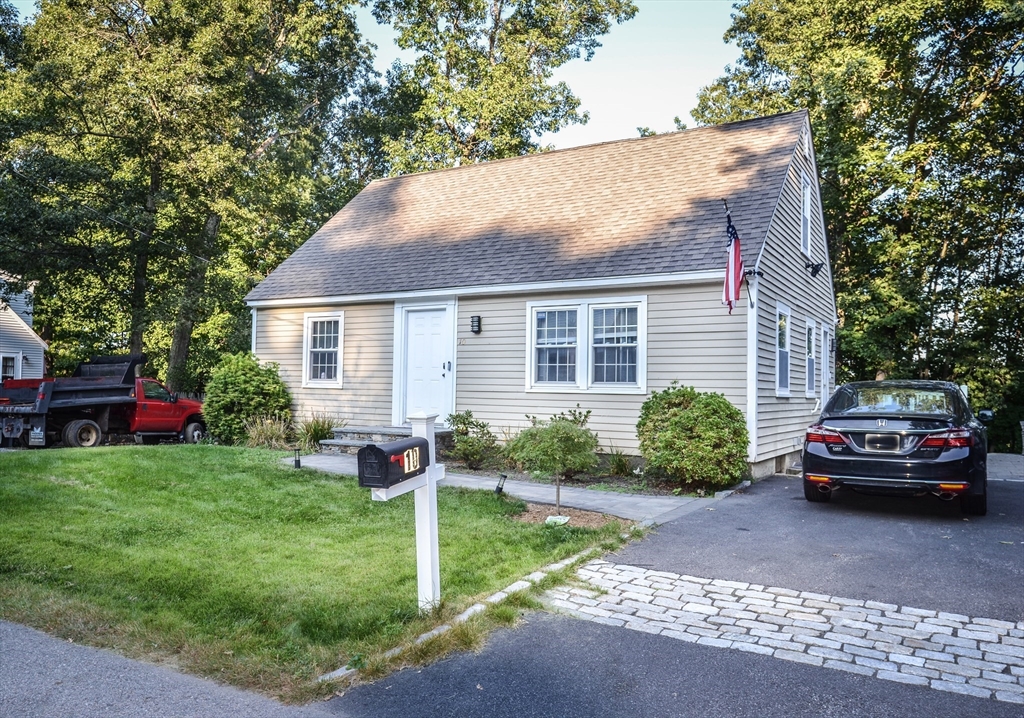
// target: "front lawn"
[[229, 564]]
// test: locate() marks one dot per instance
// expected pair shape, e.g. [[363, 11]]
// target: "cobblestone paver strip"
[[947, 651]]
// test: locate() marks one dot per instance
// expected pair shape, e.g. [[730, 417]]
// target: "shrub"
[[474, 443], [693, 437], [315, 429], [619, 463], [266, 432], [558, 447], [239, 389]]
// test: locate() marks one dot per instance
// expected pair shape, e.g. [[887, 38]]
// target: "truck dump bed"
[[102, 380]]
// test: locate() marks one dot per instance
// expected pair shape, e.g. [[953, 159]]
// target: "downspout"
[[752, 314], [253, 331]]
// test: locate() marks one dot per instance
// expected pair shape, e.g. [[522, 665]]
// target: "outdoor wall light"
[[298, 463], [500, 488], [474, 324], [815, 268]]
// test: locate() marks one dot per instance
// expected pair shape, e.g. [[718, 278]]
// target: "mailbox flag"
[[733, 267]]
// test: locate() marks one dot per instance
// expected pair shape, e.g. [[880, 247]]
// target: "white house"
[[21, 349], [590, 275]]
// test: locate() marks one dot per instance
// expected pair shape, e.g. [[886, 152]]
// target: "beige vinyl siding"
[[690, 338], [781, 421], [365, 396], [19, 342]]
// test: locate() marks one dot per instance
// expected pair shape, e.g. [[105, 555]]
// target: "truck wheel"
[[83, 433], [194, 433]]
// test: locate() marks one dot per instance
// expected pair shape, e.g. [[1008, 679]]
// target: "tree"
[[483, 72], [916, 113], [149, 136]]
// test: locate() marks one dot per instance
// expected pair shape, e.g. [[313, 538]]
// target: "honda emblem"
[[881, 422]]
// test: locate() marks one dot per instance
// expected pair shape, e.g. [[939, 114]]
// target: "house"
[[590, 275], [21, 349]]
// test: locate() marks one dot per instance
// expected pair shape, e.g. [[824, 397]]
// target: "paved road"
[[917, 553], [44, 677]]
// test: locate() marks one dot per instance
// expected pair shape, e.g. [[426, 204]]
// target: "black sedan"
[[898, 438]]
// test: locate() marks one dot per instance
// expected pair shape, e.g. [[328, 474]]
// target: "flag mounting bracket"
[[753, 273]]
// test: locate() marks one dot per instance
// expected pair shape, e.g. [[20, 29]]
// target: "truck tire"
[[194, 433], [83, 433]]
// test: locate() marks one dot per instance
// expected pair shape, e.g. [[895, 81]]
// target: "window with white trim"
[[805, 217], [323, 348], [556, 334], [8, 367], [809, 354], [782, 347], [590, 345]]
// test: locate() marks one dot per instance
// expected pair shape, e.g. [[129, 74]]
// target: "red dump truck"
[[102, 397]]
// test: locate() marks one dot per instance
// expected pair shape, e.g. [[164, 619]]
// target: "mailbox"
[[383, 466]]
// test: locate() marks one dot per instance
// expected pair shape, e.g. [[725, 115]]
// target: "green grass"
[[226, 563]]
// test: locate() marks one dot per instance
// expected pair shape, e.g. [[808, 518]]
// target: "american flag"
[[734, 267]]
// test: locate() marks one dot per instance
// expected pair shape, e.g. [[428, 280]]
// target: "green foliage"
[[619, 463], [574, 416], [559, 447], [917, 126], [694, 437], [316, 428], [474, 443], [241, 389], [267, 432], [483, 72]]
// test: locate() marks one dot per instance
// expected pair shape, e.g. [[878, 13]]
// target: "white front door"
[[428, 362]]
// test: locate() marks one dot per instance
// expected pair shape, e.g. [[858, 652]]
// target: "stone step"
[[349, 439], [796, 469]]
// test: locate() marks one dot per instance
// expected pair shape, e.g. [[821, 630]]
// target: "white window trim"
[[307, 320], [781, 309], [18, 358], [806, 201], [811, 392], [584, 383], [827, 336]]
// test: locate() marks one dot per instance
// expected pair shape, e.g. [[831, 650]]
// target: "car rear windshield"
[[908, 400]]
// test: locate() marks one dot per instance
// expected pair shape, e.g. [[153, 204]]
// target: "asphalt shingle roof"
[[631, 207]]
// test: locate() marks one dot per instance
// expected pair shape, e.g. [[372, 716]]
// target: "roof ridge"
[[560, 150]]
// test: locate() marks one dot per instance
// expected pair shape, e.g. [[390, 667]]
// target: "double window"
[[595, 345], [323, 349]]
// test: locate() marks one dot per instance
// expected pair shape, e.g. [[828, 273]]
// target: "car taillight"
[[948, 439], [820, 435]]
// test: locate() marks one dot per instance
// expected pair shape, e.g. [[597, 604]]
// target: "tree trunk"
[[141, 245], [189, 310]]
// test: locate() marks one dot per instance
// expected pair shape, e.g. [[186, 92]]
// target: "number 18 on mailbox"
[[383, 466]]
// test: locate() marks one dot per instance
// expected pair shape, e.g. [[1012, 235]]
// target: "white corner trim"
[[308, 383], [566, 285], [252, 329], [752, 366]]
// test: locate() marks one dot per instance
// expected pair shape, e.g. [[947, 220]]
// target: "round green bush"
[[240, 389], [560, 447], [693, 437]]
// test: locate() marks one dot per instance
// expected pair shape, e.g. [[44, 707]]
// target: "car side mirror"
[[985, 416], [174, 398]]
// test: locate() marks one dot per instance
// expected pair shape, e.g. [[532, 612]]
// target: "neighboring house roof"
[[632, 207], [18, 321]]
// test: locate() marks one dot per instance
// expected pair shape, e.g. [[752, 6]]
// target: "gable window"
[[323, 349], [589, 345], [556, 335], [805, 217], [782, 322], [810, 388]]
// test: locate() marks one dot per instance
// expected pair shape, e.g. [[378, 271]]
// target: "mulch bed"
[[538, 514]]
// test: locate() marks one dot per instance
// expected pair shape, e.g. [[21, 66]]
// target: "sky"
[[648, 70]]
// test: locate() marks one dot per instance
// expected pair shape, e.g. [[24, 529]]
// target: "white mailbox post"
[[428, 571]]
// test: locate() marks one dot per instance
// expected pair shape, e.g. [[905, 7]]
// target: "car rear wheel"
[[83, 433], [975, 504], [813, 492]]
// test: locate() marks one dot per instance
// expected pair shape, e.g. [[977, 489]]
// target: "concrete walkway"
[[635, 507]]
